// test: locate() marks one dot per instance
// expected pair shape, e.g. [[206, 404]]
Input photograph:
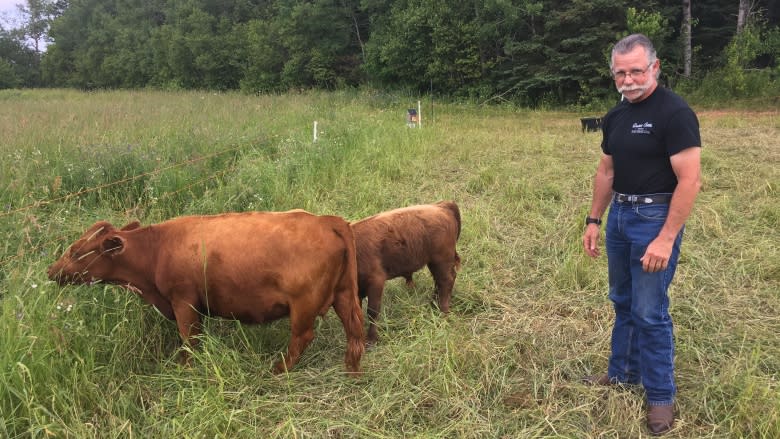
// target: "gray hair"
[[628, 44]]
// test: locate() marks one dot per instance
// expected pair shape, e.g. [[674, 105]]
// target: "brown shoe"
[[599, 380], [660, 419]]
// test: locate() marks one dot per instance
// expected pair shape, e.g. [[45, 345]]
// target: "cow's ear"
[[131, 226], [113, 245]]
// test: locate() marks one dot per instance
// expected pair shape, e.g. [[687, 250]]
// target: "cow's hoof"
[[279, 368]]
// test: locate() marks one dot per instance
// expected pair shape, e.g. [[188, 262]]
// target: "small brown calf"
[[399, 242]]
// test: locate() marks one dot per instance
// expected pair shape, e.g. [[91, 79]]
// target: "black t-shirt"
[[641, 137]]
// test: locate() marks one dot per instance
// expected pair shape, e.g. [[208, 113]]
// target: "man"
[[649, 176]]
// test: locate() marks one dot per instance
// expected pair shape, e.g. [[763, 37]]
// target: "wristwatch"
[[590, 220]]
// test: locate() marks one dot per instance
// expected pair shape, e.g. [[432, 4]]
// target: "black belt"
[[643, 199]]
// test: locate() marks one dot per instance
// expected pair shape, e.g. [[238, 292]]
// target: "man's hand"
[[590, 240], [656, 257]]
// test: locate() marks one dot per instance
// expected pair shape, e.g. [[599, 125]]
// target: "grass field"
[[530, 313]]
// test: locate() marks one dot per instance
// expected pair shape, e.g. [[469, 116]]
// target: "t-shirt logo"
[[641, 128]]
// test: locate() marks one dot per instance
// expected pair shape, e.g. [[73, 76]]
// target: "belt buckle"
[[623, 198]]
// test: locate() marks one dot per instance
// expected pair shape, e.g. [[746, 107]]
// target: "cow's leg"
[[301, 334], [188, 321], [444, 278], [409, 280], [347, 307], [375, 289]]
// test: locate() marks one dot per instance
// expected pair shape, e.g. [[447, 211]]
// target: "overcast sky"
[[8, 5], [8, 11]]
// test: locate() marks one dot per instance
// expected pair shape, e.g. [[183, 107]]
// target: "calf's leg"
[[444, 278], [375, 289]]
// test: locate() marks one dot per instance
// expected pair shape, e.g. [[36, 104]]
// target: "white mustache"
[[628, 88]]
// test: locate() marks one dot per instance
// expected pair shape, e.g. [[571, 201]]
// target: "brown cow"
[[401, 241], [254, 267]]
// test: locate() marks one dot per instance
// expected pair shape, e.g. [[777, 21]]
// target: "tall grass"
[[530, 314]]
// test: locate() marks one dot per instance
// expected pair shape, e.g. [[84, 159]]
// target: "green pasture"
[[530, 313]]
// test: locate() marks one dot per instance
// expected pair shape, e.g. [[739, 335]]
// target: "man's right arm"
[[602, 194]]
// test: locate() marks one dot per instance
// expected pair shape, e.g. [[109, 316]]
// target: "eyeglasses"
[[634, 73]]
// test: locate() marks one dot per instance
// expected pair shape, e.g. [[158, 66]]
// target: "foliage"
[[37, 16], [577, 68], [531, 52], [433, 42], [740, 77], [740, 52], [18, 63], [652, 24]]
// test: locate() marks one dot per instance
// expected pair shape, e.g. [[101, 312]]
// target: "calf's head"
[[91, 257]]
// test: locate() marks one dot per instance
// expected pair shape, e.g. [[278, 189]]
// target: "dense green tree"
[[264, 57], [526, 51], [36, 18], [196, 49], [318, 43], [21, 46], [18, 62], [558, 65], [82, 36], [450, 46]]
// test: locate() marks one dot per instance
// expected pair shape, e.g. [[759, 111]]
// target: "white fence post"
[[419, 115]]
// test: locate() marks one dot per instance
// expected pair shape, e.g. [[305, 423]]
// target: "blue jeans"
[[642, 339]]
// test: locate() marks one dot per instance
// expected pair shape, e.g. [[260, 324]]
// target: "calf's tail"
[[453, 208], [455, 211]]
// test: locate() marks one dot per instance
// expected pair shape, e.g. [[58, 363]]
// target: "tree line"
[[530, 52]]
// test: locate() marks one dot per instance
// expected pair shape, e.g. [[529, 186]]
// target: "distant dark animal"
[[590, 123], [254, 267], [401, 241]]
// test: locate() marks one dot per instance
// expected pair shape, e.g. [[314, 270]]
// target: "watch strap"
[[591, 220]]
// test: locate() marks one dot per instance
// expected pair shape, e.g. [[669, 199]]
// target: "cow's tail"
[[346, 301]]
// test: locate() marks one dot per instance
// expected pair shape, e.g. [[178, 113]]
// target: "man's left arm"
[[687, 166]]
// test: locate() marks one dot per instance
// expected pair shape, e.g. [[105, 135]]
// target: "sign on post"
[[411, 118]]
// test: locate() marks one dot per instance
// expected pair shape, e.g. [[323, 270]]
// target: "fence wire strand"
[[41, 203], [157, 171]]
